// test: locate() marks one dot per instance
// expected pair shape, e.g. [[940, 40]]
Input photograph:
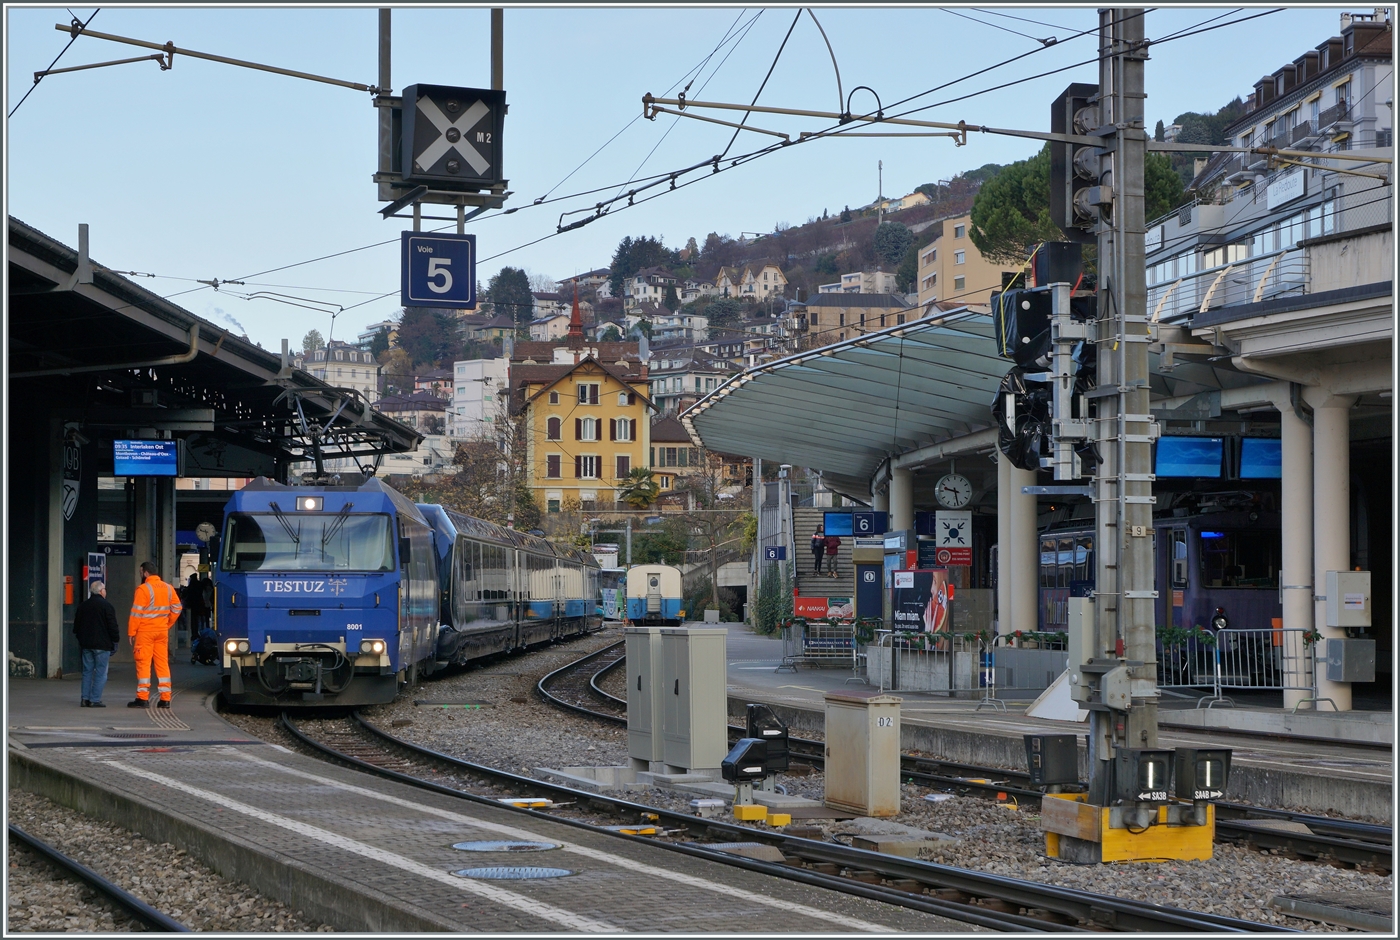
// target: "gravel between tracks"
[[41, 899], [517, 731]]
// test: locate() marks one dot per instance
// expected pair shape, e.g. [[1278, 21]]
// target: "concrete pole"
[[1017, 544], [901, 499], [53, 571], [880, 500], [498, 16], [1331, 517], [1295, 579]]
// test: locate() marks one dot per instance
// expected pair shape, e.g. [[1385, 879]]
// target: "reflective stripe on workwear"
[[147, 613]]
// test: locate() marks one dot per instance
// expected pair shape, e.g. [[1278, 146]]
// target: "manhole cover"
[[130, 734], [504, 846], [513, 874]]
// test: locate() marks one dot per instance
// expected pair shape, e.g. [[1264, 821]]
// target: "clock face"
[[953, 491]]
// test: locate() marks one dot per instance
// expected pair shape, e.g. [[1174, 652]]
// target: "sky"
[[210, 171]]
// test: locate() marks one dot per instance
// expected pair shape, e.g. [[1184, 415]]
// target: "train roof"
[[382, 497], [491, 532]]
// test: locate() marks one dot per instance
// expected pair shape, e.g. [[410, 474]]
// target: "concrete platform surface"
[[1325, 771], [373, 855]]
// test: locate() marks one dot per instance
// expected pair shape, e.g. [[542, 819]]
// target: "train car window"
[[1181, 570], [1084, 558], [1047, 563], [1064, 568], [308, 542], [1240, 558]]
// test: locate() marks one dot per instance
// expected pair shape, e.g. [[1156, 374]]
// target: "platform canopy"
[[842, 409]]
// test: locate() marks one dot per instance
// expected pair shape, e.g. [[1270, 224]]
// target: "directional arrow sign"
[[452, 135], [439, 270]]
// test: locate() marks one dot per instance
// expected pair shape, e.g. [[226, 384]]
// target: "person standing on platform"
[[833, 545], [95, 625], [206, 597], [154, 610], [193, 599], [818, 549]]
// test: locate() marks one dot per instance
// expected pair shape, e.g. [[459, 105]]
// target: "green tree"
[[663, 545], [846, 214], [610, 335], [826, 265], [312, 341], [640, 489], [508, 293], [906, 276], [631, 256], [428, 335], [1012, 210], [380, 342], [724, 312], [669, 299], [1159, 133], [892, 240]]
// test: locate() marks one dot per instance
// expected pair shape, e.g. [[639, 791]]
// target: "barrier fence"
[[816, 643], [1241, 659]]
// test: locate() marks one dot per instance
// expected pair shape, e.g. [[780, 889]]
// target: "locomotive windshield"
[[282, 541]]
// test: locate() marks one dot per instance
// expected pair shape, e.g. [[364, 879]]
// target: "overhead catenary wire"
[[39, 77]]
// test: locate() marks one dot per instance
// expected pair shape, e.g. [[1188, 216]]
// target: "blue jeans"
[[94, 674]]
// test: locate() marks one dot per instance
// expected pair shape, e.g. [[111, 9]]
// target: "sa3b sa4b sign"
[[439, 270]]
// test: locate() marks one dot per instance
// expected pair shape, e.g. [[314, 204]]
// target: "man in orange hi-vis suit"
[[154, 611]]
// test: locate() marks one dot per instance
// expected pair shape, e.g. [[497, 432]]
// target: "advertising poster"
[[840, 607], [611, 609], [811, 607], [922, 600]]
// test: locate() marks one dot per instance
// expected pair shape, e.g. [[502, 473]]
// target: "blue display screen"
[[1190, 456], [836, 523], [145, 458], [1261, 458]]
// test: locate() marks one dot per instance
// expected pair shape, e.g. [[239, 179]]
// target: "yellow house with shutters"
[[587, 425]]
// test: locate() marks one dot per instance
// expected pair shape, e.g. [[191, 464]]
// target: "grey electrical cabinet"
[[1351, 660], [1348, 598], [862, 752], [644, 687], [694, 716]]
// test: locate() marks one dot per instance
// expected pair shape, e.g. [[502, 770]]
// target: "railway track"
[[1365, 846], [138, 909], [979, 898]]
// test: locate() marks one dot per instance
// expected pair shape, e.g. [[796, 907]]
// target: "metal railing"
[[817, 643], [1242, 660], [928, 662]]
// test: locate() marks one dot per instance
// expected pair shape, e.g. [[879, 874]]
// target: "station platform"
[[367, 854], [1319, 762]]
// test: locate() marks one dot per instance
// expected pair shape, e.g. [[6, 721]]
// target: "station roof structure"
[[847, 408], [134, 359], [844, 408]]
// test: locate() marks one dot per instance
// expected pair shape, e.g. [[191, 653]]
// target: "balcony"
[[1337, 114]]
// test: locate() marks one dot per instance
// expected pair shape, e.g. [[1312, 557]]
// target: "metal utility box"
[[695, 717], [1080, 628], [1351, 660], [1052, 759], [644, 702], [1348, 598], [862, 752]]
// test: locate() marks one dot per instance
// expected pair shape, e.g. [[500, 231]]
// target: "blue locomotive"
[[344, 594]]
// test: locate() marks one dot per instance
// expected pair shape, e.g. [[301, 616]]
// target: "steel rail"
[[128, 902], [552, 699], [1356, 843], [995, 920], [1093, 909]]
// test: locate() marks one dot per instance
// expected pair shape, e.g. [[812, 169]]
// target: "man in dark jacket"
[[95, 625]]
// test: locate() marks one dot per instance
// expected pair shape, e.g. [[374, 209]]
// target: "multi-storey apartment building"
[[585, 411], [679, 376], [951, 269], [479, 398], [344, 366], [861, 282]]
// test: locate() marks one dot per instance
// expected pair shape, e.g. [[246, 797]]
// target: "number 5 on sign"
[[439, 270]]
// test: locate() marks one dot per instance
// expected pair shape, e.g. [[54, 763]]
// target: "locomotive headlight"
[[372, 646], [243, 646], [231, 647], [311, 503]]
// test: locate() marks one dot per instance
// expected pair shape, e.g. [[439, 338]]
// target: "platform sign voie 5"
[[439, 270], [145, 458]]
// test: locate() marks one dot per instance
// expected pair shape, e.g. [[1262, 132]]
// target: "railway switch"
[[1052, 759]]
